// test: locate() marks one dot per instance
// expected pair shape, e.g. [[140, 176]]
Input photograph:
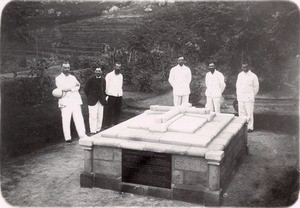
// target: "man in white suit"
[[215, 85], [247, 87], [180, 78], [70, 103]]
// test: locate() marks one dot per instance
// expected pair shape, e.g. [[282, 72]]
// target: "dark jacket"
[[95, 90]]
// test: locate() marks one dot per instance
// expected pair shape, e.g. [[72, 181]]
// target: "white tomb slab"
[[187, 154]]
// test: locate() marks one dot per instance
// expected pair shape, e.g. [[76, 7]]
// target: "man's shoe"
[[69, 141]]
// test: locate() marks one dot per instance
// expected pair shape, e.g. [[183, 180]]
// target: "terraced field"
[[84, 37]]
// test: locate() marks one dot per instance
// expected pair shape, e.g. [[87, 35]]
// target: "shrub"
[[84, 75], [142, 73], [28, 91], [196, 85], [23, 62], [143, 80]]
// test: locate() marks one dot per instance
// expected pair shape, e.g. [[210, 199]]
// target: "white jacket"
[[247, 86], [114, 84], [215, 84], [71, 85], [180, 78]]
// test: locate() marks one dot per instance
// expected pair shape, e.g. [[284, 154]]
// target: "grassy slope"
[[82, 33]]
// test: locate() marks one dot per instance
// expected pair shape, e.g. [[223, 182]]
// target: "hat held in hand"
[[58, 93]]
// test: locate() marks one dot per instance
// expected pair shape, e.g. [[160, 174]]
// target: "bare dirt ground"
[[50, 177]]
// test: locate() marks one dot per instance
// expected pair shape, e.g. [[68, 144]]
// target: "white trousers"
[[66, 114], [95, 117], [180, 99], [213, 104], [246, 109]]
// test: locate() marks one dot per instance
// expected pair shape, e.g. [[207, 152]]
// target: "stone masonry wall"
[[107, 166], [189, 170], [235, 150]]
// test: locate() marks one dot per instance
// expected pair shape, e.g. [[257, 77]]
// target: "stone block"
[[86, 180], [212, 198], [196, 111], [178, 150], [170, 114], [133, 134], [110, 168], [194, 178], [189, 194], [106, 182], [177, 177], [134, 188], [107, 142], [184, 139], [214, 155], [86, 142], [187, 124], [158, 127], [223, 118], [189, 163], [160, 192], [196, 151], [215, 147], [223, 142], [117, 154], [103, 153], [134, 145], [233, 128], [155, 147]]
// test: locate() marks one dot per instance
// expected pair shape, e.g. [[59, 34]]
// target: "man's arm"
[[255, 85], [171, 77], [77, 85], [106, 84], [189, 77], [222, 83], [238, 85], [206, 80]]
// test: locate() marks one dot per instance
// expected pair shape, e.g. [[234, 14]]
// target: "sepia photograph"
[[149, 103]]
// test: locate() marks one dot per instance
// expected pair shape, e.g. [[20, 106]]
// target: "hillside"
[[264, 34], [85, 29]]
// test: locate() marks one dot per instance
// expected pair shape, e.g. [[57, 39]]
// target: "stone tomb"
[[182, 153]]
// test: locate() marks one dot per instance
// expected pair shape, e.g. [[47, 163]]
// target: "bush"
[[28, 91], [197, 85], [143, 80], [84, 75], [142, 73], [23, 62]]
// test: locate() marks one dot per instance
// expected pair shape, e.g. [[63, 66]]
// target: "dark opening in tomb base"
[[146, 168]]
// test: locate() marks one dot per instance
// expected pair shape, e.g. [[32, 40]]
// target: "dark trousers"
[[114, 105]]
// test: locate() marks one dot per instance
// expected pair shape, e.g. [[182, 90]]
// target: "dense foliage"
[[15, 19], [32, 90], [266, 34]]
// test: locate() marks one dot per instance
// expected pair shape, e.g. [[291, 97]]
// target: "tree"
[[263, 33], [15, 18]]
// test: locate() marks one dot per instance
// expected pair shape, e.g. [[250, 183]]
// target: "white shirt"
[[114, 84], [215, 84], [247, 86], [180, 78], [71, 85]]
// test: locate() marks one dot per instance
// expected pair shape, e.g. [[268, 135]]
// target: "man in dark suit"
[[95, 91]]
